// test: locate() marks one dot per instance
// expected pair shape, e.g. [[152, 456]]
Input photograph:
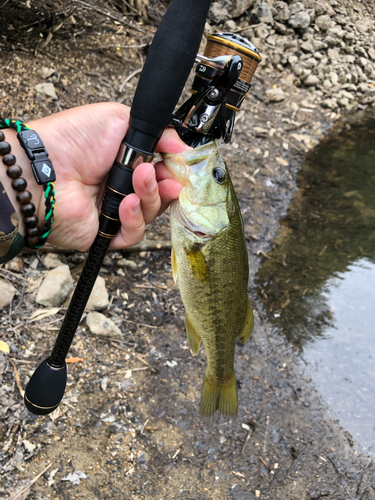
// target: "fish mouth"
[[188, 225]]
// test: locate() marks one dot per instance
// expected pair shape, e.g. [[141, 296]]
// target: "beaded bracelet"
[[43, 173]]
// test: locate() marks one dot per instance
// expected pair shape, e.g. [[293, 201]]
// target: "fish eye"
[[219, 174]]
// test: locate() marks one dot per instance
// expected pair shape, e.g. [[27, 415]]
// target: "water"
[[318, 284]]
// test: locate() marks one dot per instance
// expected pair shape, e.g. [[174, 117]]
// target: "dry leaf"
[[43, 313]]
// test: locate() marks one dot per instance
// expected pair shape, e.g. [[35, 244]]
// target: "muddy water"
[[318, 282]]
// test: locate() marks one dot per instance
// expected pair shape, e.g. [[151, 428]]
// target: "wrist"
[[36, 190]]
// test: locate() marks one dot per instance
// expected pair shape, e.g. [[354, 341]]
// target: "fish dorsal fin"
[[174, 265], [198, 264], [193, 336], [249, 325]]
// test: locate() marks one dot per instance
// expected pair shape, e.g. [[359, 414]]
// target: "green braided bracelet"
[[42, 170]]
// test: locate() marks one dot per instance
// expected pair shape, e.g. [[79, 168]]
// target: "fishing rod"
[[170, 59], [223, 78]]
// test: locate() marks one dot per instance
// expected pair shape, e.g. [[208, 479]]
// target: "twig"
[[335, 466], [4, 4], [18, 380], [246, 441], [139, 324], [128, 78], [13, 274], [108, 14], [31, 483], [143, 426], [143, 246], [264, 463]]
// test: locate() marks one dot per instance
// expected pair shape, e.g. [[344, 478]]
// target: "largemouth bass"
[[210, 265]]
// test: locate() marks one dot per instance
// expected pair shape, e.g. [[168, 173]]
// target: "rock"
[[311, 80], [363, 25], [55, 287], [15, 265], [46, 72], [7, 292], [218, 13], [333, 54], [100, 325], [238, 7], [261, 32], [323, 22], [327, 84], [296, 7], [329, 103], [99, 296], [281, 28], [263, 12], [299, 20], [230, 25], [52, 260], [371, 53], [283, 11], [47, 89], [275, 95], [307, 47], [127, 263]]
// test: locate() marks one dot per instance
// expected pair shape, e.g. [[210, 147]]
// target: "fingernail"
[[150, 183], [136, 207]]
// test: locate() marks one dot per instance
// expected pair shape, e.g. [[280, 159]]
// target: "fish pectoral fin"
[[248, 327], [218, 395], [193, 336], [174, 265], [198, 264]]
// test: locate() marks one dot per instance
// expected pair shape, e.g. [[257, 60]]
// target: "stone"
[[99, 298], [283, 11], [275, 95], [52, 260], [363, 25], [261, 32], [15, 265], [330, 103], [127, 263], [100, 325], [55, 287], [281, 28], [238, 7], [371, 53], [263, 12], [307, 47], [311, 80], [218, 13], [296, 7], [299, 20], [323, 22], [333, 54], [230, 25], [7, 292], [327, 84], [47, 89]]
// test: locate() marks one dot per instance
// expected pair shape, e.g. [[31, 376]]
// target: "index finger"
[[170, 142]]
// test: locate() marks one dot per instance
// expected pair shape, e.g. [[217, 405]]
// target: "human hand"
[[83, 143]]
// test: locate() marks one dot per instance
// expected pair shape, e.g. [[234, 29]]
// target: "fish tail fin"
[[217, 395]]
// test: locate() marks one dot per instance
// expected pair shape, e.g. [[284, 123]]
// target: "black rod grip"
[[168, 64]]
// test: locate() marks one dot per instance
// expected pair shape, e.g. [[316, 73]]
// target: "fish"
[[211, 267]]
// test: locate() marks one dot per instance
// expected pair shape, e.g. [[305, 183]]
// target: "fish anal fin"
[[248, 327], [174, 265], [198, 264], [219, 396], [193, 336]]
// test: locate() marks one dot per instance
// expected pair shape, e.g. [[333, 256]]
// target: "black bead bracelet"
[[24, 197]]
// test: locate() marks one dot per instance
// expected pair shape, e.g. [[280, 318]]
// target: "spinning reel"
[[223, 78]]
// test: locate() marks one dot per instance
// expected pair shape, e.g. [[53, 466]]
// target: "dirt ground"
[[130, 417]]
